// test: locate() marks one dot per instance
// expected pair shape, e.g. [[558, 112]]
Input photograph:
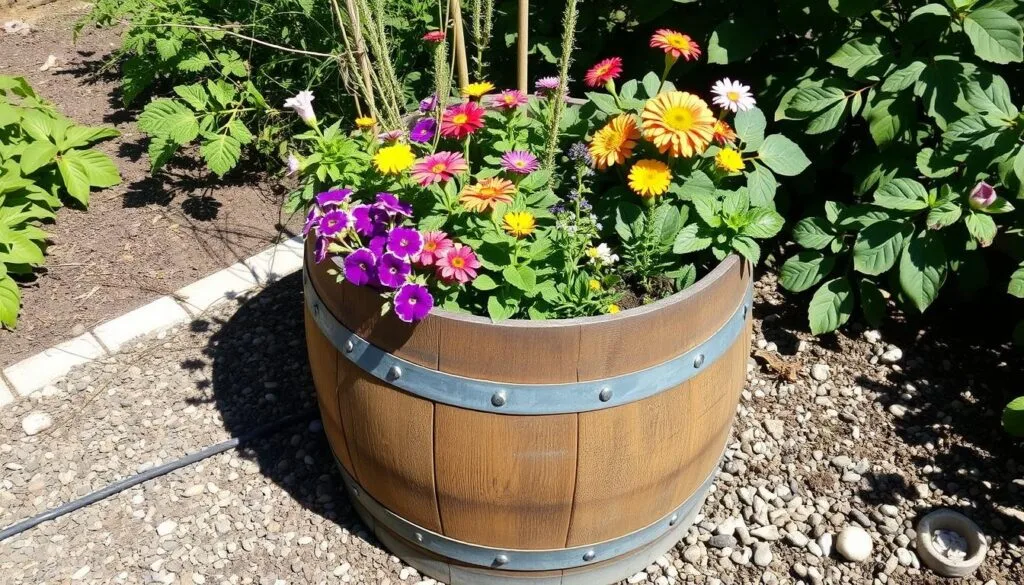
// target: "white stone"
[[35, 372], [892, 355], [276, 262], [825, 543], [160, 315], [950, 544], [854, 543], [872, 336], [80, 573], [762, 554], [819, 372], [166, 527], [36, 422], [769, 533], [218, 287], [6, 397]]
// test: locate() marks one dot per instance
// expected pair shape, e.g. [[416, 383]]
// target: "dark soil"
[[144, 238]]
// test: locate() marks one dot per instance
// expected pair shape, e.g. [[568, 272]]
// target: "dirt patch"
[[142, 239]]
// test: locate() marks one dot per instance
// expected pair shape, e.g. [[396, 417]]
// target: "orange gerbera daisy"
[[487, 193], [614, 143], [678, 123], [603, 72], [724, 134], [675, 44]]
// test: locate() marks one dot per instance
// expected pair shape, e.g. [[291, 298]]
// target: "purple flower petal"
[[392, 270], [392, 204], [333, 197], [413, 302], [405, 242], [334, 222], [424, 130], [360, 267], [320, 249], [312, 220]]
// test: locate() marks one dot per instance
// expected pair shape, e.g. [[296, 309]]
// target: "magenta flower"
[[546, 85], [360, 267], [413, 302], [333, 197], [435, 246], [509, 99], [405, 242], [439, 167], [519, 161], [334, 222], [392, 270], [369, 220], [983, 196], [312, 220], [458, 265], [424, 130], [393, 205]]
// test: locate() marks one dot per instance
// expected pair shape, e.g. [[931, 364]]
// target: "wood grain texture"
[[505, 481], [656, 333], [391, 440], [323, 364], [542, 354], [639, 461]]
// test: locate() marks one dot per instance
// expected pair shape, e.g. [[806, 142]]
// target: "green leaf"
[[828, 120], [99, 167], [944, 215], [37, 154], [193, 94], [167, 48], [239, 131], [872, 303], [160, 150], [982, 228], [484, 282], [10, 302], [497, 310], [762, 223], [783, 156], [814, 233], [902, 194], [761, 187], [604, 102], [858, 54], [22, 248], [1016, 287], [805, 270], [831, 306], [903, 77], [1013, 417], [748, 248], [853, 7], [888, 119], [651, 81], [923, 269], [990, 95], [737, 38], [629, 221], [221, 152], [812, 99], [689, 239], [78, 136], [996, 36], [750, 127], [878, 246], [167, 117], [75, 177]]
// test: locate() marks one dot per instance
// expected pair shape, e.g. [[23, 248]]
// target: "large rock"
[[854, 543], [36, 422]]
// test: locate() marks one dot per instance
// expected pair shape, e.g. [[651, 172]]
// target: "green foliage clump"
[[44, 159]]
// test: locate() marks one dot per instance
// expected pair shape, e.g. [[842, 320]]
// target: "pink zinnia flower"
[[438, 168], [546, 85], [458, 265], [436, 245], [519, 161], [603, 72], [462, 120], [434, 36], [507, 100]]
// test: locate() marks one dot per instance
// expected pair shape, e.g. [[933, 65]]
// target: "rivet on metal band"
[[524, 560], [528, 399]]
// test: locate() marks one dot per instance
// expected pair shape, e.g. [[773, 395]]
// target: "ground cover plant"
[[45, 161]]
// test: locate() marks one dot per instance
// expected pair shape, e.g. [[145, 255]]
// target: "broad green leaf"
[[933, 165], [10, 302], [828, 120], [761, 187], [853, 7], [166, 117], [75, 177], [484, 282], [859, 53], [737, 38], [651, 81], [748, 248], [160, 151], [99, 167], [805, 270], [831, 306], [1016, 287], [167, 48], [1013, 417], [944, 215], [888, 119], [604, 102], [814, 233], [903, 77], [812, 99], [872, 303], [996, 36], [689, 239], [879, 245], [37, 154], [193, 94], [989, 94], [923, 269], [750, 126], [902, 194], [762, 223], [78, 136], [982, 228], [22, 248], [497, 310], [629, 221], [783, 156], [38, 125], [221, 152]]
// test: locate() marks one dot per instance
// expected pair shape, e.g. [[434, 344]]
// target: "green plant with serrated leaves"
[[44, 159]]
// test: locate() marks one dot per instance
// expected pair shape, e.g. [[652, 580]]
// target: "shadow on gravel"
[[261, 375]]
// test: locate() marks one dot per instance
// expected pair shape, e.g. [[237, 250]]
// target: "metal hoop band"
[[530, 399]]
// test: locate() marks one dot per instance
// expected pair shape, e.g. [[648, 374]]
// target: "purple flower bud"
[[360, 267], [392, 270], [983, 196]]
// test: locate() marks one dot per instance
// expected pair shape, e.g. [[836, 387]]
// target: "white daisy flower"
[[733, 95], [602, 255]]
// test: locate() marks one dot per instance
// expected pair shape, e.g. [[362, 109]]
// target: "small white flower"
[[293, 165], [303, 106], [602, 255], [733, 95]]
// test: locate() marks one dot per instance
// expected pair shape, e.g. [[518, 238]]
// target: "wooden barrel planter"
[[569, 452]]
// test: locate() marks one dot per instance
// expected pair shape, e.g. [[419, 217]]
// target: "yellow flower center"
[[679, 42], [679, 118], [438, 168], [430, 246], [460, 118], [457, 262], [510, 99], [733, 96], [520, 163], [603, 69]]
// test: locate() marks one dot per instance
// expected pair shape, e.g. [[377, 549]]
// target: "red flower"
[[462, 120], [434, 36], [604, 72]]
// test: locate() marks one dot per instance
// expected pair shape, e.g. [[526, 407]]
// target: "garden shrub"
[[44, 159]]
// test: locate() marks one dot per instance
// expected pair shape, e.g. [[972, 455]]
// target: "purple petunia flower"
[[428, 104], [312, 220], [413, 302], [424, 130], [377, 244], [388, 202], [332, 197], [519, 161], [333, 222], [320, 249], [392, 270], [360, 267], [405, 242], [369, 220]]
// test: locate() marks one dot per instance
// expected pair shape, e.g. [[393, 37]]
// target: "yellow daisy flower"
[[478, 89], [365, 123], [394, 159], [678, 123], [650, 178], [729, 160], [595, 285], [613, 308], [614, 143], [519, 223]]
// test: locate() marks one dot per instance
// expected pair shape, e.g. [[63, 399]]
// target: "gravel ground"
[[866, 434]]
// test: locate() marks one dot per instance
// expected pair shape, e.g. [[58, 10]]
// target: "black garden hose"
[[119, 486]]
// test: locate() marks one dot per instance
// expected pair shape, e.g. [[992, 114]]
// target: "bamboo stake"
[[460, 44], [524, 28], [364, 58]]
